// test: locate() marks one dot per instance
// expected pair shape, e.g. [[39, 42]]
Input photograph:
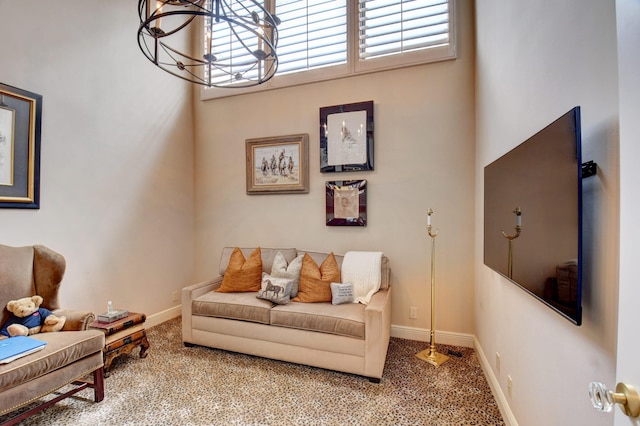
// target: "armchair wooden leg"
[[98, 384]]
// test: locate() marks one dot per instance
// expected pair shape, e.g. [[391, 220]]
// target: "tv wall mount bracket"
[[589, 169]]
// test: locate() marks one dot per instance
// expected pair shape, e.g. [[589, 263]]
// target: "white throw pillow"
[[341, 293], [280, 269]]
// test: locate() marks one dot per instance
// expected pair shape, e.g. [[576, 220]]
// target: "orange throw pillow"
[[242, 275], [315, 283]]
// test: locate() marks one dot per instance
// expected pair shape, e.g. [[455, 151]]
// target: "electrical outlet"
[[509, 386], [174, 296], [413, 312], [498, 362]]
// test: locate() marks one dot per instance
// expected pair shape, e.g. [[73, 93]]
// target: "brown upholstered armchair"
[[69, 356]]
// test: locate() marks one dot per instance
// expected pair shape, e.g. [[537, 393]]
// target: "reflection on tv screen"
[[532, 215]]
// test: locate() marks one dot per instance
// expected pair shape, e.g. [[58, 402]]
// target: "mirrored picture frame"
[[346, 202], [346, 137]]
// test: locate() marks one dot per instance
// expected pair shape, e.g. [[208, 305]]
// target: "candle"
[[518, 219], [429, 218], [159, 5]]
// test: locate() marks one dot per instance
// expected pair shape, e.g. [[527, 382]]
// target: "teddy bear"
[[29, 318]]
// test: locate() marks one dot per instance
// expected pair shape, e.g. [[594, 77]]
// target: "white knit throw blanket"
[[362, 269]]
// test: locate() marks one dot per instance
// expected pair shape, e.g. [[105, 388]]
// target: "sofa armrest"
[[76, 320], [377, 317], [196, 290], [378, 302], [189, 294]]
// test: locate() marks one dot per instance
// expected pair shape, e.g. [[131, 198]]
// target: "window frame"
[[354, 65]]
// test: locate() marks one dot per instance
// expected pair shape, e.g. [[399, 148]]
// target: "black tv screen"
[[533, 216]]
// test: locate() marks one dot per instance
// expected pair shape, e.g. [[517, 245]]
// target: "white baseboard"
[[494, 384], [162, 316], [423, 335]]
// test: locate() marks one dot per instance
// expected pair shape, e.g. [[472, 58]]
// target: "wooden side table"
[[122, 336]]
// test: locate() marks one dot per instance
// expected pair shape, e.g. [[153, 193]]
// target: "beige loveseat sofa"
[[70, 354], [351, 337]]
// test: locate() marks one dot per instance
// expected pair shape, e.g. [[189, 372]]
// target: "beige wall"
[[118, 197], [627, 367], [117, 154], [424, 158], [535, 61]]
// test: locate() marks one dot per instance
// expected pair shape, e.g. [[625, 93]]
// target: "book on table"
[[133, 334], [18, 346], [118, 335], [113, 327]]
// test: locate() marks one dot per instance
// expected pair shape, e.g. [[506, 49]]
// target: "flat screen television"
[[533, 216]]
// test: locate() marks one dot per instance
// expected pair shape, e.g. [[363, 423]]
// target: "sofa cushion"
[[242, 275], [282, 268], [63, 348], [320, 257], [386, 271], [386, 274], [345, 320], [239, 306], [315, 282], [276, 290], [268, 255]]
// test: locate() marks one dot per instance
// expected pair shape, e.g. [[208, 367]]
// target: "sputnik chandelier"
[[239, 46]]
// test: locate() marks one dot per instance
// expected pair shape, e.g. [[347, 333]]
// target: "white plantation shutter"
[[313, 34], [390, 27], [324, 39]]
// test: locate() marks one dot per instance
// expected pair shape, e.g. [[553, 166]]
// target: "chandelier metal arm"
[[248, 23], [159, 16]]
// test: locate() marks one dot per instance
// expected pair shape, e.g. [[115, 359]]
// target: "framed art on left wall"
[[20, 126]]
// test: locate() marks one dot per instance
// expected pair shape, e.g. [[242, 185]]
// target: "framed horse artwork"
[[278, 164]]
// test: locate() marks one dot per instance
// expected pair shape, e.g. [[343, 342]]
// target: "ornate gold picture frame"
[[20, 126], [278, 164]]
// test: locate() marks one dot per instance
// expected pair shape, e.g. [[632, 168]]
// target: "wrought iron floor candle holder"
[[430, 355]]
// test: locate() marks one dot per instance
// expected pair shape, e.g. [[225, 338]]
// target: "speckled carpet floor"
[[175, 385]]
